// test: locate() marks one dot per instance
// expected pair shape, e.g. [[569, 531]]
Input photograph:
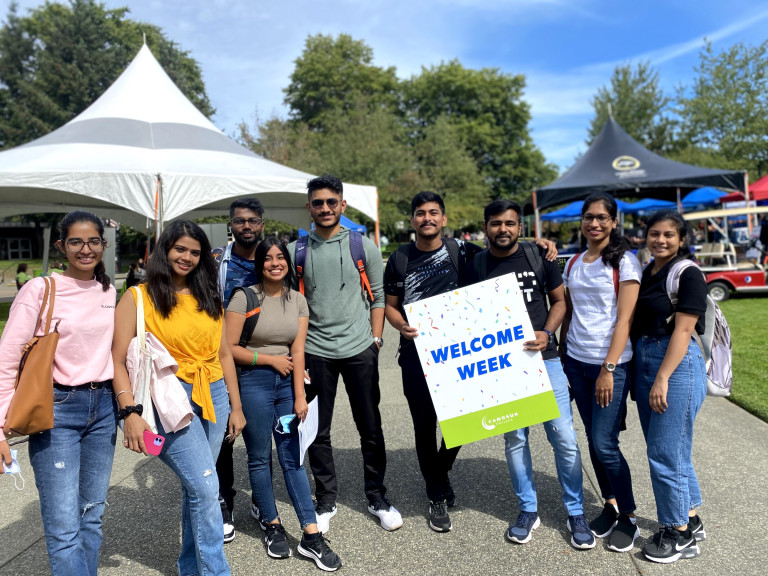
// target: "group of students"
[[328, 321]]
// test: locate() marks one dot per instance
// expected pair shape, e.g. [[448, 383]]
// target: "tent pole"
[[750, 223], [46, 246], [679, 202], [536, 222], [376, 222]]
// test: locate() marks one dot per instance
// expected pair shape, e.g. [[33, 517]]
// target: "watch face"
[[610, 367]]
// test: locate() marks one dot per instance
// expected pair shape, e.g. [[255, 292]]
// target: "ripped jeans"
[[72, 464], [191, 453]]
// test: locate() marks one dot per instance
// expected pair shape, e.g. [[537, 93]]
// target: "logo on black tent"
[[624, 163]]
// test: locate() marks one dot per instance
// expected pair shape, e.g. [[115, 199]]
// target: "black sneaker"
[[228, 521], [670, 545], [603, 525], [696, 526], [315, 546], [439, 520], [277, 542], [256, 513], [623, 536]]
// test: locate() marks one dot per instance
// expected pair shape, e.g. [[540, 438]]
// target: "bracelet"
[[121, 392], [123, 412], [255, 355]]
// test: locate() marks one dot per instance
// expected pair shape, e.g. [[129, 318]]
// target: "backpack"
[[616, 273], [253, 309], [715, 343], [358, 257], [532, 255], [401, 256]]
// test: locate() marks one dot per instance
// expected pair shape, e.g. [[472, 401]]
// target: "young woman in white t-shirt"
[[602, 287]]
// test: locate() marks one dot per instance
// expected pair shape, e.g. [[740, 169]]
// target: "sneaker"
[[315, 546], [277, 542], [522, 530], [439, 520], [581, 536], [228, 519], [256, 513], [670, 545], [696, 526], [324, 513], [387, 514], [603, 525], [623, 537]]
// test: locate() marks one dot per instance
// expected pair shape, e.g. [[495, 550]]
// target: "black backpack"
[[253, 309], [532, 255]]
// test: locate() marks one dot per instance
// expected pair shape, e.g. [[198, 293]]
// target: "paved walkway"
[[142, 520]]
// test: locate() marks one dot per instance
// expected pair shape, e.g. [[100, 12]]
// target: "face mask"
[[14, 470], [285, 424]]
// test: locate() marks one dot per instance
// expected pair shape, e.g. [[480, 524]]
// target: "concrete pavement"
[[141, 535]]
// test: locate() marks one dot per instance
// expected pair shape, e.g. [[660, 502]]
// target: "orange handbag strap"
[[48, 299]]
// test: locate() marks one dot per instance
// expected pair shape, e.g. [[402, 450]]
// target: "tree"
[[331, 73], [638, 104], [486, 109], [60, 58], [726, 109]]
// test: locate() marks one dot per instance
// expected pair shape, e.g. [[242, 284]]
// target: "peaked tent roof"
[[142, 131], [616, 163]]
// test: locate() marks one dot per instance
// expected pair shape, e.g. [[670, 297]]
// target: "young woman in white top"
[[603, 284]]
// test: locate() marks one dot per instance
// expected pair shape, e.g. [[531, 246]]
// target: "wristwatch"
[[551, 337], [609, 367], [379, 341]]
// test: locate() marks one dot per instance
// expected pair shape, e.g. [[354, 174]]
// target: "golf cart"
[[726, 272]]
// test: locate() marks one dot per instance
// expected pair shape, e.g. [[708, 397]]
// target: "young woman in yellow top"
[[183, 309]]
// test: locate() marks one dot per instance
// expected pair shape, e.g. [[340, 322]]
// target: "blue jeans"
[[266, 396], [669, 436], [602, 427], [562, 437], [202, 541], [72, 463]]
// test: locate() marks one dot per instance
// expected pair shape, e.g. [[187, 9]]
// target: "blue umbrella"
[[703, 197], [649, 205]]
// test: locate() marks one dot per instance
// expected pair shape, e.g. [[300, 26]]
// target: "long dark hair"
[[683, 230], [260, 256], [614, 251], [82, 216], [202, 281]]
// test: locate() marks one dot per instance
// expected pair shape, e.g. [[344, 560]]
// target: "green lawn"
[[748, 319]]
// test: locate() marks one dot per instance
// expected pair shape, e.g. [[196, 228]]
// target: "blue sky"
[[566, 49]]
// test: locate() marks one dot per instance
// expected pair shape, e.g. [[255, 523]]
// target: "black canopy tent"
[[617, 164]]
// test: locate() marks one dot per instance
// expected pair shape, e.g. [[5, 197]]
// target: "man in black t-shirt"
[[502, 228], [430, 266]]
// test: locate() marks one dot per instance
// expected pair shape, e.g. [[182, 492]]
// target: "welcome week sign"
[[470, 344]]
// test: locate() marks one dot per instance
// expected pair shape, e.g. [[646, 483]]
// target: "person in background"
[[21, 275], [670, 387], [602, 286], [183, 310], [132, 278], [274, 401], [344, 338], [72, 462], [235, 263]]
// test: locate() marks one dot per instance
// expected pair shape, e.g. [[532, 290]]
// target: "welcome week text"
[[466, 348]]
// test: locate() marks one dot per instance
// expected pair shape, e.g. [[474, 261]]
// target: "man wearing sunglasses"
[[236, 269], [344, 339]]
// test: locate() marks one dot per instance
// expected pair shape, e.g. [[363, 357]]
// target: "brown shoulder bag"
[[31, 408]]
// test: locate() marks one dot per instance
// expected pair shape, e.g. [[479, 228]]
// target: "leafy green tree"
[[726, 109], [331, 73], [487, 110], [57, 60], [638, 104]]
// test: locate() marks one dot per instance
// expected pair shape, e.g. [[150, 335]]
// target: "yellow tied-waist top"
[[193, 338]]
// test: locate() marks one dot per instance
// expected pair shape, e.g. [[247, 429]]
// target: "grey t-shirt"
[[278, 322]]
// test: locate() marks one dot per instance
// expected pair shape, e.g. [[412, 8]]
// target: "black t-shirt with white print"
[[534, 295]]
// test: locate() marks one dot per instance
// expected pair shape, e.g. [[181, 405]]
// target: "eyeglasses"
[[601, 218], [74, 245], [317, 203], [241, 221]]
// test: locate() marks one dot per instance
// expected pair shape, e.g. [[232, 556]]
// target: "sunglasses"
[[317, 203]]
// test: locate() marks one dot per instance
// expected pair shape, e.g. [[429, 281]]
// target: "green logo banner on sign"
[[481, 381]]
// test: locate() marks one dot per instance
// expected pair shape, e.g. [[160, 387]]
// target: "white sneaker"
[[324, 513], [387, 514], [228, 519]]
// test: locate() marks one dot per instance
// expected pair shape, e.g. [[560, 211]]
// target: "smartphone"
[[153, 442]]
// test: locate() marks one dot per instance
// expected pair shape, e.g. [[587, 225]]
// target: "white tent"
[[143, 152]]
